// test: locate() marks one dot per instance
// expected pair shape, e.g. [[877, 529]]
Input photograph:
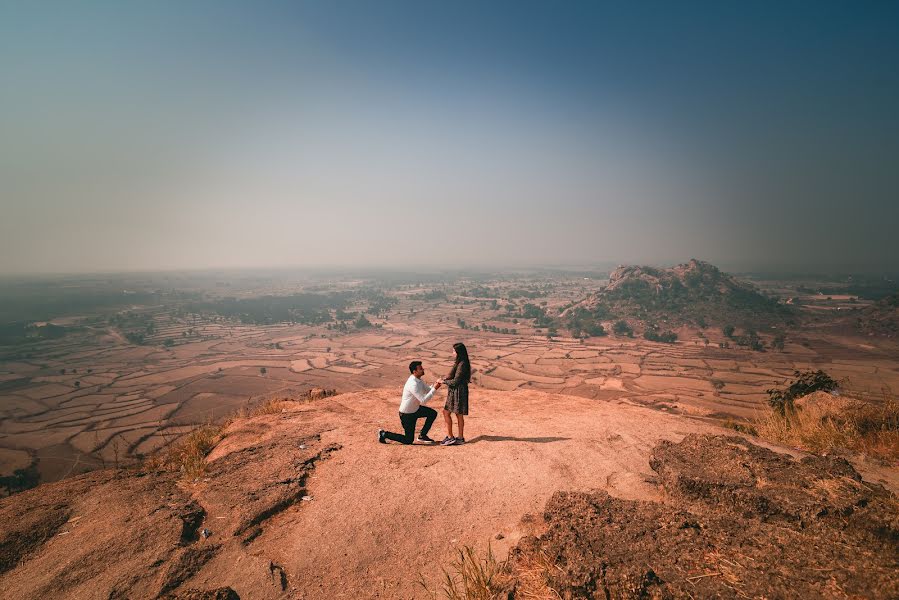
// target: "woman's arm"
[[457, 376], [452, 374]]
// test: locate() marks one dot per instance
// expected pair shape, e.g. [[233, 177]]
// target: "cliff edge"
[[305, 503]]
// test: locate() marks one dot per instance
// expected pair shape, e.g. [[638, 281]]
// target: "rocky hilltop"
[[738, 521], [608, 499], [694, 293]]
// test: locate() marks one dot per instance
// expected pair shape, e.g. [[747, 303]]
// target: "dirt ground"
[[307, 504]]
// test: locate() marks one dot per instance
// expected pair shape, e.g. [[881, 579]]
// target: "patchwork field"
[[96, 399]]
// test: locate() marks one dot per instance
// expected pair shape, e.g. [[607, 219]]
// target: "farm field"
[[94, 398]]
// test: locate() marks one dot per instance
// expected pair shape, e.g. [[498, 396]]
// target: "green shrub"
[[622, 328], [667, 337], [806, 382]]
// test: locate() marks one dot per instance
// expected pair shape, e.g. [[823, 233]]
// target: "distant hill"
[[695, 293]]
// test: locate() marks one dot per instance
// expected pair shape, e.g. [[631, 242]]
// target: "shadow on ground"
[[506, 438]]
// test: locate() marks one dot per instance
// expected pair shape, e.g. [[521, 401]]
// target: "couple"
[[416, 393]]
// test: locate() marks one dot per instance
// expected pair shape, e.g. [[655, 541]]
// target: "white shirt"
[[415, 393]]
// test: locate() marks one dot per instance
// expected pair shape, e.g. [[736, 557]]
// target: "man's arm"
[[422, 392]]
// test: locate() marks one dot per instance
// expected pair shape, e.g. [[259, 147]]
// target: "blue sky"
[[156, 135]]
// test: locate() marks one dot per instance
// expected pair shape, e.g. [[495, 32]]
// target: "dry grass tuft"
[[821, 423], [740, 427], [532, 579], [472, 578], [273, 406], [268, 407], [188, 455]]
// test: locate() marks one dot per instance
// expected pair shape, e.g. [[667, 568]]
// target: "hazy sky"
[[184, 134]]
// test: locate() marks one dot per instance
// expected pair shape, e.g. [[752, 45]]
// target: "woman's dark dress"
[[457, 393]]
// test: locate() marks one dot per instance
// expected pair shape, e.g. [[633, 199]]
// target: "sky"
[[184, 135]]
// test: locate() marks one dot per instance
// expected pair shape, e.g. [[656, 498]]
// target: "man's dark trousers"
[[408, 421]]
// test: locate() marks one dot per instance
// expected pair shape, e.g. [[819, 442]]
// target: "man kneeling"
[[415, 393]]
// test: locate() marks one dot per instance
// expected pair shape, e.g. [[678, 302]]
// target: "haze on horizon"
[[166, 135]]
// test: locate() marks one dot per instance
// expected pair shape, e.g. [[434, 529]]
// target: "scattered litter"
[[221, 517], [65, 533], [73, 519], [205, 533], [306, 498], [499, 536], [302, 446]]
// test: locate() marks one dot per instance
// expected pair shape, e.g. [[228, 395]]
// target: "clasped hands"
[[437, 384]]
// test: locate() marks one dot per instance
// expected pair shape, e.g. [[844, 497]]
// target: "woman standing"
[[457, 395]]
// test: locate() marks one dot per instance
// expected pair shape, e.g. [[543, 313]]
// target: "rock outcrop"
[[134, 534], [692, 293], [737, 521]]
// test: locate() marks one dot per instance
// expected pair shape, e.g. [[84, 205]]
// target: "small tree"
[[21, 479], [665, 337], [778, 341], [806, 382], [622, 328], [595, 330], [728, 331], [263, 370]]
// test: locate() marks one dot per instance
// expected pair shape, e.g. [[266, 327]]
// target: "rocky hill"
[[695, 293], [304, 503]]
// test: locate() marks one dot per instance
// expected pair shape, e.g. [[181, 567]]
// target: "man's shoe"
[[448, 441], [381, 434], [425, 439], [458, 441]]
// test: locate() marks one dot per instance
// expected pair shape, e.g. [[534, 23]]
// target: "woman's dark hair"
[[462, 354], [462, 367]]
